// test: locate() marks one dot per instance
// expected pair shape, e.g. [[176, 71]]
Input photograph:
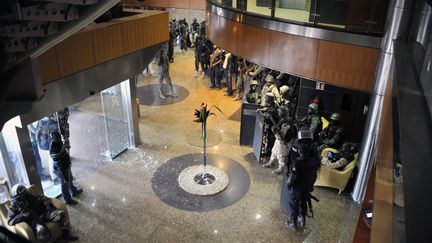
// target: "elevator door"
[[116, 122]]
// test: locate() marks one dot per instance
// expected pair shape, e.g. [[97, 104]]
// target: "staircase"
[[27, 29]]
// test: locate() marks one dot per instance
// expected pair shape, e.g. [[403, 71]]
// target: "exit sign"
[[319, 85]]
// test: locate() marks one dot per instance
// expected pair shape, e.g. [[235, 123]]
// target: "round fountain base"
[[203, 181]]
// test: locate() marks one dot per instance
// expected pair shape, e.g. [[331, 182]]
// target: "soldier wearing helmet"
[[270, 113], [194, 31], [284, 131], [284, 92], [303, 164], [332, 136], [253, 94], [313, 120], [270, 87]]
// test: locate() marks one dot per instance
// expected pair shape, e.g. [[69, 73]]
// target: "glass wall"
[[359, 16], [12, 169]]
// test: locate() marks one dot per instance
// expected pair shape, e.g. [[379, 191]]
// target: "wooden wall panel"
[[139, 33], [76, 53], [213, 32], [103, 42], [346, 65], [228, 34], [254, 44], [293, 54], [180, 3], [339, 64], [108, 43], [48, 66]]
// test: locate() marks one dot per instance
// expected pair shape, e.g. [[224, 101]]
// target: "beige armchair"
[[332, 177], [23, 229]]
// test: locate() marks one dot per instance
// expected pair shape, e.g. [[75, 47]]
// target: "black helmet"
[[18, 190]]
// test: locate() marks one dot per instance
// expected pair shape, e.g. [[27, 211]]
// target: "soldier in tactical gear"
[[284, 131], [340, 159], [62, 168], [313, 121], [253, 95], [183, 27], [202, 29], [194, 31], [269, 87], [332, 136], [270, 113], [163, 73], [36, 211], [302, 167]]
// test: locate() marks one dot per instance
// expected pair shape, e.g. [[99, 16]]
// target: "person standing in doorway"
[[62, 168]]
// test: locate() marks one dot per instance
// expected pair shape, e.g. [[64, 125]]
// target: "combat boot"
[[292, 225], [301, 221], [268, 164], [279, 170]]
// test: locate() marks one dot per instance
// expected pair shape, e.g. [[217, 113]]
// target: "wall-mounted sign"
[[319, 85]]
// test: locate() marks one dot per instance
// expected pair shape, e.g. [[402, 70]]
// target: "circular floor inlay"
[[167, 188], [149, 94], [195, 139], [200, 180]]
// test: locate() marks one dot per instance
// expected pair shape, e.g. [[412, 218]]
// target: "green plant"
[[201, 116]]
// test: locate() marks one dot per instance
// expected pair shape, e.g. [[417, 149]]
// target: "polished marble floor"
[[119, 205]]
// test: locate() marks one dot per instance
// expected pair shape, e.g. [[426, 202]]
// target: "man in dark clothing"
[[36, 211], [198, 51], [332, 136], [62, 168], [303, 165], [215, 67], [270, 113]]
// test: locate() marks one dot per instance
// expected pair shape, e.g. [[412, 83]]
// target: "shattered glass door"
[[116, 122]]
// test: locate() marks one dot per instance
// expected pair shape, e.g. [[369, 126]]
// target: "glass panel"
[[12, 164], [116, 122], [295, 10], [262, 7], [39, 132]]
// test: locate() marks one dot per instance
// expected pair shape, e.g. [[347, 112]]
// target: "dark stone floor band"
[[149, 95], [166, 187]]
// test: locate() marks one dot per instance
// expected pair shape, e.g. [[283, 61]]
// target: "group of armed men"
[[184, 35], [296, 144]]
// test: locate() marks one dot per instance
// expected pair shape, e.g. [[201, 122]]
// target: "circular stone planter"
[[198, 180]]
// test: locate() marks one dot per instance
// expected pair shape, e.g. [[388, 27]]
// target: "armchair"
[[23, 229], [332, 177]]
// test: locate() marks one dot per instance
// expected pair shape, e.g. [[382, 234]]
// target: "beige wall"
[[189, 14]]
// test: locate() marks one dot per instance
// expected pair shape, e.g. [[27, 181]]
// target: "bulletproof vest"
[[194, 27]]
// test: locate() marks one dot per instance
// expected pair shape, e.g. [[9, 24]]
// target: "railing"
[[356, 16]]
